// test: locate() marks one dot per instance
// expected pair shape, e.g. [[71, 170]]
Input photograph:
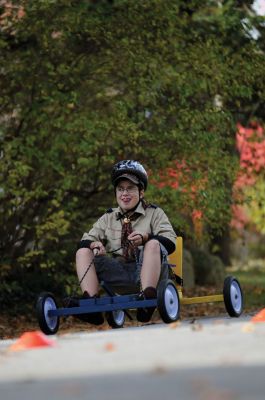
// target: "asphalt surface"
[[210, 359]]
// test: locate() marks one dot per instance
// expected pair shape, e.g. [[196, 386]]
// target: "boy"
[[137, 234]]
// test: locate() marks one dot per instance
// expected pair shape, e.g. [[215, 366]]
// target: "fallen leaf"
[[196, 327], [175, 325], [247, 328], [218, 322], [109, 346], [159, 370]]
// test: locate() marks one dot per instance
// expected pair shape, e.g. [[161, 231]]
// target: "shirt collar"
[[139, 209]]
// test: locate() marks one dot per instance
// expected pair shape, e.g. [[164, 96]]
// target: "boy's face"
[[127, 194]]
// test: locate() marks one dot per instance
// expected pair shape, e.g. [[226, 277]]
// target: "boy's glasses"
[[129, 190]]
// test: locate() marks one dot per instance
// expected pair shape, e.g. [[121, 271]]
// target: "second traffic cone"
[[30, 340], [259, 317]]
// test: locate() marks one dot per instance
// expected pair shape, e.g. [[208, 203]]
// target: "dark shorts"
[[125, 275]]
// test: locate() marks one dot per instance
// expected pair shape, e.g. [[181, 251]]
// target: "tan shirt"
[[107, 229]]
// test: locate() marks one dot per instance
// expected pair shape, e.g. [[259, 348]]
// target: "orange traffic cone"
[[259, 317], [30, 340]]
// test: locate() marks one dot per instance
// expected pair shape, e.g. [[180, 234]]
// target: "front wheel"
[[45, 303], [233, 296], [168, 301], [115, 319]]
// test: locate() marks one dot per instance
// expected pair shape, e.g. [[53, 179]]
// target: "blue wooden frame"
[[103, 304]]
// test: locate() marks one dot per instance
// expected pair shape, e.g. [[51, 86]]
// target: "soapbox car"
[[116, 307]]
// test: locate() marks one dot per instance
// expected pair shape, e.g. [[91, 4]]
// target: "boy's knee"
[[83, 252], [152, 245]]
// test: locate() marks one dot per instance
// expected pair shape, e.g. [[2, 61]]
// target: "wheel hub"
[[50, 305], [171, 301], [118, 316], [235, 296]]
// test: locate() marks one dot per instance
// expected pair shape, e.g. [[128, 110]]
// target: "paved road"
[[211, 359]]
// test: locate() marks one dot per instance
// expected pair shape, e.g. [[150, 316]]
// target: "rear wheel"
[[115, 319], [45, 303], [168, 301], [233, 296]]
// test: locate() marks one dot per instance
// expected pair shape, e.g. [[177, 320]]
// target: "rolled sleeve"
[[162, 227]]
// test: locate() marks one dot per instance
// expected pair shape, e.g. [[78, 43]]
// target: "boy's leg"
[[150, 275], [90, 283], [151, 268]]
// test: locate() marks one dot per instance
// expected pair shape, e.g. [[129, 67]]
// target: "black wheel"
[[168, 301], [115, 319], [233, 296], [45, 303]]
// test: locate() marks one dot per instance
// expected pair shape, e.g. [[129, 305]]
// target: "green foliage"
[[208, 268], [256, 204], [84, 84], [252, 281]]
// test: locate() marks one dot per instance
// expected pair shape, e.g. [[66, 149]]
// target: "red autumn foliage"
[[179, 177], [250, 142], [251, 146], [174, 176]]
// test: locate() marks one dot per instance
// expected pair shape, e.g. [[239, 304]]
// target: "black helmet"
[[129, 169]]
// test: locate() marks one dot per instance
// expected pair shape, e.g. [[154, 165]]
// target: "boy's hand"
[[98, 248], [137, 238]]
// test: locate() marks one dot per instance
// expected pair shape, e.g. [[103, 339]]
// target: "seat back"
[[176, 258]]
